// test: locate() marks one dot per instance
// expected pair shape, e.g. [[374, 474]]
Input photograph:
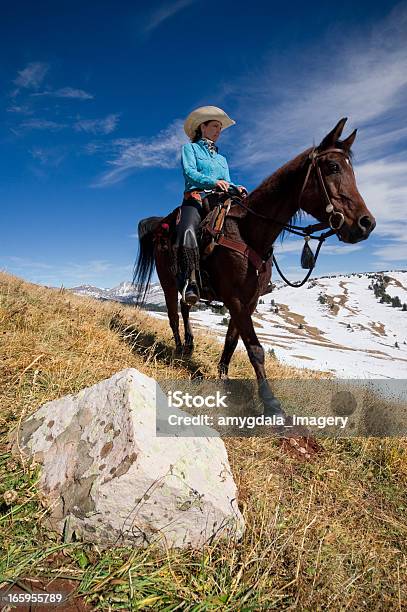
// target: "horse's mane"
[[296, 219]]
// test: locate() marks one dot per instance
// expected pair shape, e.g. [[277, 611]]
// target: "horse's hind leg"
[[168, 283], [189, 337], [171, 300], [231, 340]]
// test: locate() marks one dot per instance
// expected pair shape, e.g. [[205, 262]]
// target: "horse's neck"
[[276, 198]]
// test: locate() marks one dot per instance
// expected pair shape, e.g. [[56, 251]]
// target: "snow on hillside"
[[350, 333], [335, 324]]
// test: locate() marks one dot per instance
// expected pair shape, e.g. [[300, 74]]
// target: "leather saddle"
[[211, 232]]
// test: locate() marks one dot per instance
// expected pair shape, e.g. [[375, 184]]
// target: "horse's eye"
[[333, 167]]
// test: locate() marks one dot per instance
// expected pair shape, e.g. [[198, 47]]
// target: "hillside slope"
[[329, 534], [340, 324]]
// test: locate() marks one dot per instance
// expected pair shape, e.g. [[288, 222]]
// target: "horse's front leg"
[[241, 315], [189, 337], [231, 340]]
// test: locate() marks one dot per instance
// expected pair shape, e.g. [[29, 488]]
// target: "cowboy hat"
[[205, 113]]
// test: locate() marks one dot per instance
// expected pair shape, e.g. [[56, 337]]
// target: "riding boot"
[[187, 252]]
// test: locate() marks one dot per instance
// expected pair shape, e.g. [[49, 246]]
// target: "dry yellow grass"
[[324, 535]]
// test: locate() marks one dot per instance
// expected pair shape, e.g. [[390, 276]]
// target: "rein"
[[306, 232]]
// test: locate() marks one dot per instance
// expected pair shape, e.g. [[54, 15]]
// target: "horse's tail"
[[144, 265]]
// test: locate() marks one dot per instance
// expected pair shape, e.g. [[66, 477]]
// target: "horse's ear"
[[331, 139], [348, 142]]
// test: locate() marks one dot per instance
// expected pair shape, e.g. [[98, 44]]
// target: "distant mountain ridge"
[[126, 294]]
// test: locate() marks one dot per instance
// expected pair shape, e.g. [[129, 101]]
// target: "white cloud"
[[94, 147], [31, 76], [66, 92], [97, 272], [363, 76], [24, 262], [374, 143], [164, 12], [22, 109], [49, 156], [341, 249], [42, 124], [396, 251], [162, 151], [296, 246], [384, 189], [97, 126]]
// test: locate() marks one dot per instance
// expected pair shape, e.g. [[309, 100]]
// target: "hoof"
[[188, 349], [272, 406], [223, 372], [178, 350]]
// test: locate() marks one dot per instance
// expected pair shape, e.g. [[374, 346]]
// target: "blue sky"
[[94, 95]]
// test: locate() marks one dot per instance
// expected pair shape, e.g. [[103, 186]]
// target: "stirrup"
[[194, 296]]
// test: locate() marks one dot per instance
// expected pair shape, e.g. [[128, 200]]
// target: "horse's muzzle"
[[358, 231], [366, 224]]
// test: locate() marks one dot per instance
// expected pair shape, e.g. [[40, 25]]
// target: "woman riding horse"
[[204, 170]]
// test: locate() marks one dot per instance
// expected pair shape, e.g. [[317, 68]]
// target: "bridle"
[[335, 219], [313, 157]]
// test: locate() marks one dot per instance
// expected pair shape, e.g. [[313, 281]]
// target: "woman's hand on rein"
[[222, 185]]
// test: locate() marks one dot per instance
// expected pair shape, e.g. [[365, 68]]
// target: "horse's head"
[[330, 193]]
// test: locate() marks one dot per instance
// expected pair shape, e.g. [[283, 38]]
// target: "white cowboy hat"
[[205, 113]]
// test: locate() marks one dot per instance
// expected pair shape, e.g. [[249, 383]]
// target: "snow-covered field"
[[347, 331]]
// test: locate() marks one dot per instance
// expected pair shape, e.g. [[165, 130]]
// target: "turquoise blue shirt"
[[202, 168]]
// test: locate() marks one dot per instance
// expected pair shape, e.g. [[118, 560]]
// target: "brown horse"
[[319, 181]]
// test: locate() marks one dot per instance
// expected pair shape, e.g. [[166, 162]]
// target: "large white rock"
[[112, 481]]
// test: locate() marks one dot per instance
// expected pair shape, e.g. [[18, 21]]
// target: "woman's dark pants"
[[186, 243]]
